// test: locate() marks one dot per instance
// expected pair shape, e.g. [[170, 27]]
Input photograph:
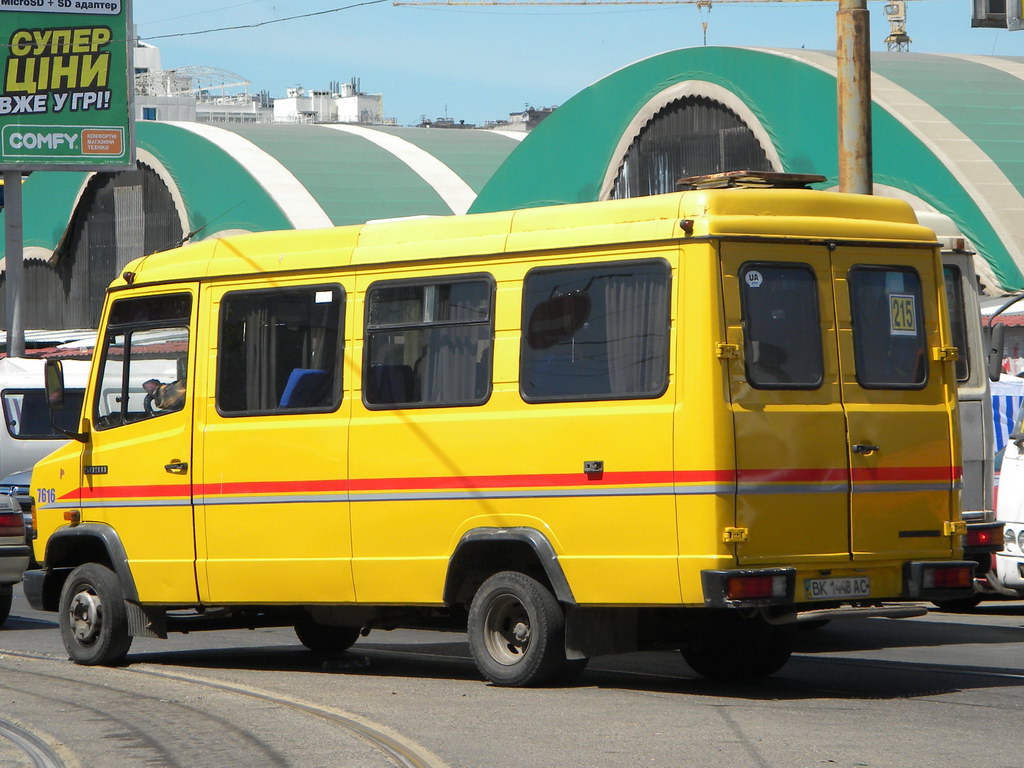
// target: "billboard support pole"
[[13, 262]]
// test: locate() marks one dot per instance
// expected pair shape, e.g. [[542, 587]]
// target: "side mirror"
[[994, 335], [53, 377], [53, 373]]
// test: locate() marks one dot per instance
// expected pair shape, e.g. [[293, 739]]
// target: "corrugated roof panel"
[[472, 154], [911, 138], [352, 179], [219, 193], [986, 104]]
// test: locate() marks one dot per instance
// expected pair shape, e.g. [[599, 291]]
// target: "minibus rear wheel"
[[516, 632], [6, 598], [958, 604], [93, 618], [729, 646], [323, 638]]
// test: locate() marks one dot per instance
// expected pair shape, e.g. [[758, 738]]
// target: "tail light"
[[947, 577], [987, 537], [12, 522], [747, 587]]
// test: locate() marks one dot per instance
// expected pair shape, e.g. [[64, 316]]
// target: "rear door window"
[[888, 328], [957, 320], [782, 329]]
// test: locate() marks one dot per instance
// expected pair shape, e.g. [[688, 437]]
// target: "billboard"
[[1001, 14], [66, 98]]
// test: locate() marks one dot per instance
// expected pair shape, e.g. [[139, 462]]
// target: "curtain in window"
[[637, 325], [449, 373], [260, 343]]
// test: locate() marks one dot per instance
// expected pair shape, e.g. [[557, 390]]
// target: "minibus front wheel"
[[93, 618], [516, 632]]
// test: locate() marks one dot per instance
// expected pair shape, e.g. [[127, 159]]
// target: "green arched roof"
[[946, 130], [231, 177]]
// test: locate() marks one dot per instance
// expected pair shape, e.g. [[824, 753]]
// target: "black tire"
[[516, 632], [6, 598], [93, 618], [321, 638], [813, 625], [728, 646], [958, 604]]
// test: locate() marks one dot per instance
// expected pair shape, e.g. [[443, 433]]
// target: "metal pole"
[[13, 253], [853, 55]]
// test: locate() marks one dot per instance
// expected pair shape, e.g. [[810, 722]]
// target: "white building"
[[209, 94], [357, 107], [158, 93], [344, 103]]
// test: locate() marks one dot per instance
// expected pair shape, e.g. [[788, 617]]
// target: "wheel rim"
[[507, 630], [86, 615]]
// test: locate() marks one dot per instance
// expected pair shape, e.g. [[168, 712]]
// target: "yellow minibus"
[[683, 421]]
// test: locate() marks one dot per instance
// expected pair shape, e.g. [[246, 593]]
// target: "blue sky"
[[480, 63]]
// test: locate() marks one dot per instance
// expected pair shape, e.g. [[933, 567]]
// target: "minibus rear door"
[[898, 398], [790, 431]]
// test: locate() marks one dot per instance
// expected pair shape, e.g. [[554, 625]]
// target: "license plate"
[[837, 589]]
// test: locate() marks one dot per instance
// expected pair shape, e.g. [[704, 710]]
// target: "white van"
[[1009, 571], [28, 435]]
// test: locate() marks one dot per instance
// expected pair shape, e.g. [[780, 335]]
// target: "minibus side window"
[[781, 326], [596, 332], [888, 328], [280, 350], [27, 414], [428, 344], [145, 356], [957, 320]]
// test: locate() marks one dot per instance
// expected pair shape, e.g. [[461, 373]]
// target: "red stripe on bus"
[[824, 475]]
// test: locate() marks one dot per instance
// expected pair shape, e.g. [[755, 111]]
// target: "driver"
[[166, 397]]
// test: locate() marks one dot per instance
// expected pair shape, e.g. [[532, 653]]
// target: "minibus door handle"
[[865, 449], [178, 467]]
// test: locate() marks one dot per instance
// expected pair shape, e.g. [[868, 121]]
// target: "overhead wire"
[[268, 21]]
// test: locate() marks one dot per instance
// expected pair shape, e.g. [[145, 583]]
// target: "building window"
[[781, 327], [595, 332], [149, 113], [280, 350], [688, 137], [428, 344]]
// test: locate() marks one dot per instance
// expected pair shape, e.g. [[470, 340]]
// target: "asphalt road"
[[940, 691]]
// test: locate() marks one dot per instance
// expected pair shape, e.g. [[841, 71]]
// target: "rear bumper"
[[13, 562], [921, 580]]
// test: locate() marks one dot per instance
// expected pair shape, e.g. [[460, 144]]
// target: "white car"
[[14, 552]]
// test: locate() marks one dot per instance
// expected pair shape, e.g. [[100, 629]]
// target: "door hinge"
[[736, 535], [954, 528], [945, 354], [727, 351]]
